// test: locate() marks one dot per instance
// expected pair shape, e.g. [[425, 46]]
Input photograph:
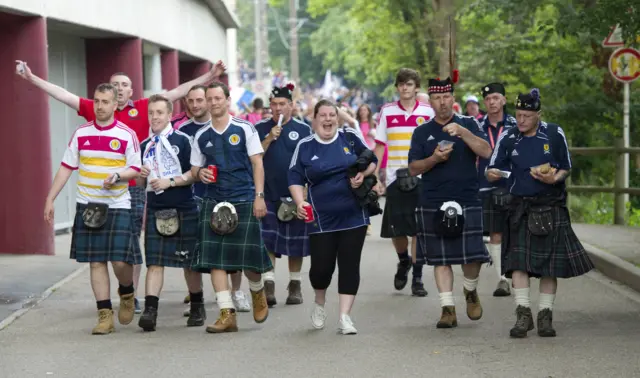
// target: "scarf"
[[161, 158]]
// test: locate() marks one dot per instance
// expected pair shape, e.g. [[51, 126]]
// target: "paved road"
[[597, 322]]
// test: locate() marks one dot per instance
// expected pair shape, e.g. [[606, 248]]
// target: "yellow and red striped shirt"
[[98, 152]]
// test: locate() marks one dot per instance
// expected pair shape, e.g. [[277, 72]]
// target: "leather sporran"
[[406, 182], [167, 222], [287, 209], [448, 222], [540, 220], [95, 215], [500, 198], [224, 218]]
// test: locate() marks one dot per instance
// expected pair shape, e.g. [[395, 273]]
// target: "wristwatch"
[[260, 194], [172, 182], [117, 175]]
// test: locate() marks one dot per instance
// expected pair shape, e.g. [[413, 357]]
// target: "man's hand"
[[218, 69], [49, 211], [442, 155], [493, 175], [275, 132], [205, 175], [259, 208], [160, 184], [547, 178], [357, 180], [455, 130], [26, 73], [109, 181], [301, 212], [144, 172]]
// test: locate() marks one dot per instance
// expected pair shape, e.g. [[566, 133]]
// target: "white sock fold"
[[295, 276], [255, 286], [546, 301], [224, 299], [269, 276], [470, 283], [446, 299], [495, 250], [522, 297]]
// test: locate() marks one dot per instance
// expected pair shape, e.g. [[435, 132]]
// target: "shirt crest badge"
[[294, 135], [133, 113], [546, 148], [234, 139], [420, 120], [346, 151], [114, 144]]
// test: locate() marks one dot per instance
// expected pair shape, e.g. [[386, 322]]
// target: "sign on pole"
[[614, 39], [624, 65]]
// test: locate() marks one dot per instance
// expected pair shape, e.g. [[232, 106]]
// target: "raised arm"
[[59, 93], [181, 90]]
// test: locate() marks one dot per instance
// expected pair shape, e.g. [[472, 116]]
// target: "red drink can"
[[214, 172], [310, 218]]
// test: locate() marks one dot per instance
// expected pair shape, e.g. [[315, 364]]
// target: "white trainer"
[[345, 326], [318, 316], [240, 302]]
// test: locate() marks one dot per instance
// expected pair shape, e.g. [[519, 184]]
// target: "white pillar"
[[152, 69]]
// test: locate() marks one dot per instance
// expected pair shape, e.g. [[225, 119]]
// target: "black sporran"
[[95, 215], [540, 220]]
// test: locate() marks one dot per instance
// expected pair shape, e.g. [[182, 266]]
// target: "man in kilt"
[[172, 217], [396, 123], [449, 215], [285, 235], [538, 240], [494, 195], [227, 156], [106, 154]]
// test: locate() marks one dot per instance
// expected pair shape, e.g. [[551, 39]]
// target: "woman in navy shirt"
[[321, 160]]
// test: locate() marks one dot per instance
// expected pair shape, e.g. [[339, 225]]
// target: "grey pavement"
[[620, 241], [23, 278], [597, 322]]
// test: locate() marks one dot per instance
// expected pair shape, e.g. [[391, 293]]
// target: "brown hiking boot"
[[545, 323], [226, 322], [270, 289], [105, 322], [295, 292], [127, 309], [474, 308], [524, 322], [260, 308], [448, 319]]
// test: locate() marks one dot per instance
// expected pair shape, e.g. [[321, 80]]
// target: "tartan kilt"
[[493, 218], [138, 199], [559, 254], [398, 218], [284, 238], [241, 250], [174, 251], [115, 241], [464, 249]]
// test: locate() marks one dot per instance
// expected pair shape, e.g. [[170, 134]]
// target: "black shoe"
[[503, 289], [270, 292], [197, 315], [402, 275], [148, 319], [418, 290], [545, 326], [524, 323]]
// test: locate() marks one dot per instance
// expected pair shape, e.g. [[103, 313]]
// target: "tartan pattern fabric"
[[559, 254], [492, 218], [115, 241], [138, 199], [174, 251], [439, 251], [284, 238], [398, 218], [241, 250]]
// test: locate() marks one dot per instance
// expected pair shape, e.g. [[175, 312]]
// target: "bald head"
[[422, 97], [123, 84]]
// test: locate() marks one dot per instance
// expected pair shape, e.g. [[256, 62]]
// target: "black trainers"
[[417, 289], [545, 326], [148, 319], [524, 322], [197, 315], [402, 275]]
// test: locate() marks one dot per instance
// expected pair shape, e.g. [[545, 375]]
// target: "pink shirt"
[[364, 127]]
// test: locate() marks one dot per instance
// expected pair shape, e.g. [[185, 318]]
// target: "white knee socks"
[[546, 301], [470, 283], [224, 299], [522, 297], [269, 276], [495, 250], [295, 276], [446, 299], [255, 286]]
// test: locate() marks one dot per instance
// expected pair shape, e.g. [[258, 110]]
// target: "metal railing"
[[621, 193]]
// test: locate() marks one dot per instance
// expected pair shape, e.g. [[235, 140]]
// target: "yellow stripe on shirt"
[[94, 196], [102, 162], [399, 136], [99, 187], [398, 148], [93, 175]]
